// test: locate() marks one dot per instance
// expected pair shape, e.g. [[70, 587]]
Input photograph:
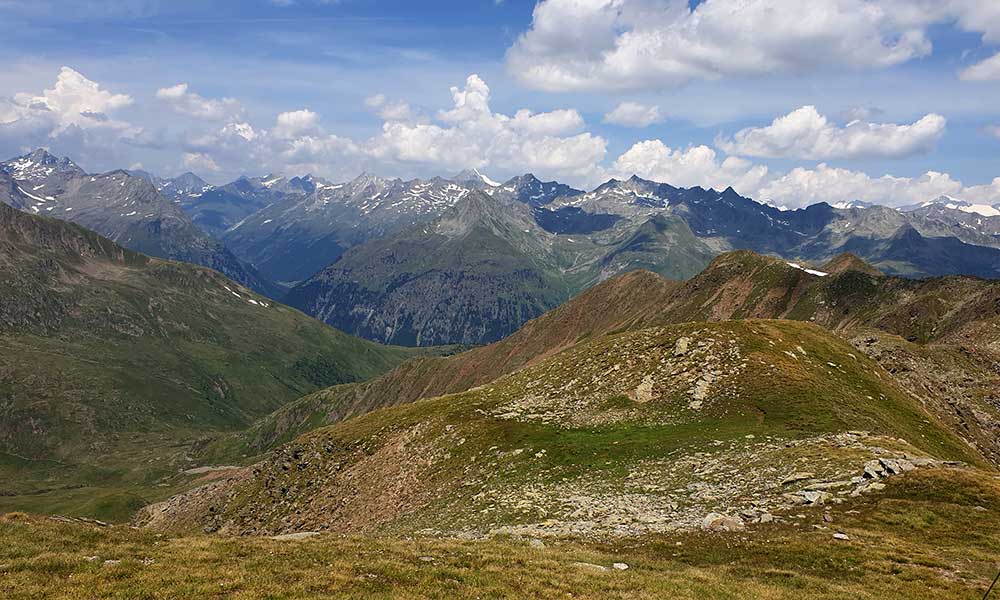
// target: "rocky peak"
[[474, 178], [40, 164]]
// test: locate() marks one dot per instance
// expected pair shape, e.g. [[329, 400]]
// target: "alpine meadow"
[[632, 299]]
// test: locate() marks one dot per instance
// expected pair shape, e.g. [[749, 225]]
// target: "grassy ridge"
[[737, 285], [573, 422]]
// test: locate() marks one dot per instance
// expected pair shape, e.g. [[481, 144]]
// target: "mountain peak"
[[945, 201], [474, 177], [848, 261], [523, 180], [38, 164]]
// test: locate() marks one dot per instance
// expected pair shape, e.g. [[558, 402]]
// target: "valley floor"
[[932, 534]]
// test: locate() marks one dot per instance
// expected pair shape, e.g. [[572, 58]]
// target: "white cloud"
[[695, 166], [701, 166], [633, 114], [76, 117], [85, 121], [466, 134], [470, 134], [986, 70], [389, 111], [651, 44], [197, 161], [243, 130], [804, 133], [983, 194], [801, 186], [186, 102], [471, 102], [558, 122], [641, 44], [73, 101], [295, 124]]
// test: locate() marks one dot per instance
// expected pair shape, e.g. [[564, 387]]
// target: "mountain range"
[[390, 289], [467, 259], [125, 208]]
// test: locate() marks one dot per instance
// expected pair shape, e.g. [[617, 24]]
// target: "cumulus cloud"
[[633, 114], [986, 70], [186, 102], [388, 110], [650, 44], [633, 44], [557, 122], [983, 194], [296, 123], [198, 161], [701, 166], [74, 101], [805, 133], [694, 166], [801, 186], [76, 116], [82, 116], [470, 134]]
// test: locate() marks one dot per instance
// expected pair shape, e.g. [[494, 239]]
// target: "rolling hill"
[[944, 330], [629, 434]]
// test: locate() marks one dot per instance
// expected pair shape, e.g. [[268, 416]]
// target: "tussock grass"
[[924, 537]]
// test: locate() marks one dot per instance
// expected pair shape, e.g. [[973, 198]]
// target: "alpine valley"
[[455, 387]]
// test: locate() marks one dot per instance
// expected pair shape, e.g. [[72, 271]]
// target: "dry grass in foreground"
[[933, 535]]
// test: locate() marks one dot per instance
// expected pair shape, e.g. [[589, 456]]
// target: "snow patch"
[[486, 179], [810, 271]]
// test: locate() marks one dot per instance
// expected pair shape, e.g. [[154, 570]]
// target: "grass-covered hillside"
[[113, 361], [641, 432], [612, 305], [945, 333]]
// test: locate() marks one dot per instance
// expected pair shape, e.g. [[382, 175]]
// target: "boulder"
[[798, 476], [816, 497], [874, 470], [721, 522]]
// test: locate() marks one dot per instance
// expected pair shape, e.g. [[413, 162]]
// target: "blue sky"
[[366, 85]]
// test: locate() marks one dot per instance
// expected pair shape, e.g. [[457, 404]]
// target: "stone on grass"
[[720, 522]]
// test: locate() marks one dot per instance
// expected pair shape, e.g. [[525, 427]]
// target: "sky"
[[887, 101]]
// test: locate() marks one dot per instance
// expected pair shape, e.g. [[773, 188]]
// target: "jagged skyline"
[[889, 105]]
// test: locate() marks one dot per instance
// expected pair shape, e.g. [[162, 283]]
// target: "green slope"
[[482, 269], [608, 430], [114, 360], [473, 275], [854, 300]]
